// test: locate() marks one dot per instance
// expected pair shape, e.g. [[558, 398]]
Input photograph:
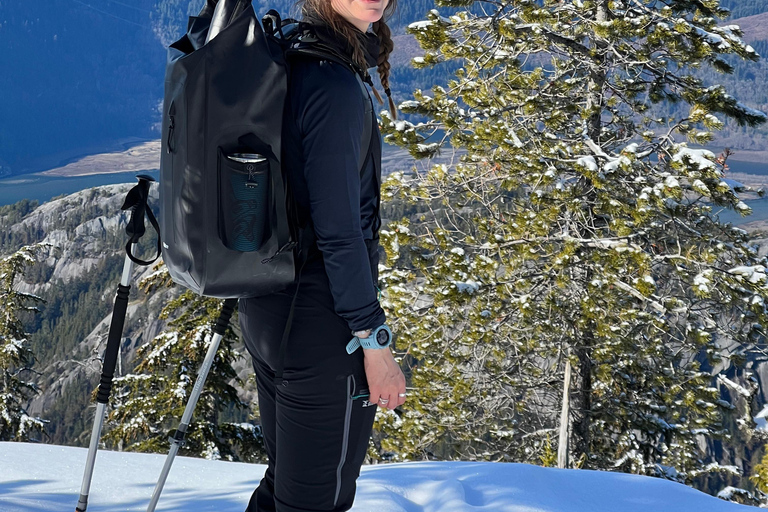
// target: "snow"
[[743, 207], [735, 186], [468, 287], [760, 419], [38, 477], [588, 162], [751, 111], [702, 281], [426, 148], [729, 492], [420, 25], [737, 387], [713, 38], [755, 274], [702, 157]]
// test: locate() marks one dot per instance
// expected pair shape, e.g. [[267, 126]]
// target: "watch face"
[[382, 337]]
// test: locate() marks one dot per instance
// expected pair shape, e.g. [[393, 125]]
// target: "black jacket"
[[323, 125]]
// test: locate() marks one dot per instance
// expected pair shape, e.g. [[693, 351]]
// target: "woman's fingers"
[[385, 379], [394, 399], [384, 402], [401, 396]]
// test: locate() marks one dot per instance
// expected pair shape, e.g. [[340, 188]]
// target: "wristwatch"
[[380, 337]]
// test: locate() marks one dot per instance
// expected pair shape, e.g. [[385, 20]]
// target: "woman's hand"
[[385, 378]]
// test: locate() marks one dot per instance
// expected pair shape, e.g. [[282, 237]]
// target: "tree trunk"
[[562, 445], [586, 342]]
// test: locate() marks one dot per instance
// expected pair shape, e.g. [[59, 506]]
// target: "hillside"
[[39, 477], [84, 78], [78, 278], [742, 8], [106, 61], [755, 27]]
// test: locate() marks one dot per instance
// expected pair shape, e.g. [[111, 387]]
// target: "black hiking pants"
[[317, 424]]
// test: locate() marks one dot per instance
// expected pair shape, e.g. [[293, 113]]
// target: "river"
[[42, 188]]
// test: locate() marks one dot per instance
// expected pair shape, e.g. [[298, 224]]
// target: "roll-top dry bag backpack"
[[225, 218], [224, 221]]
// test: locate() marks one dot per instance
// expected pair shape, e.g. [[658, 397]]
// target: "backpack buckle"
[[289, 245]]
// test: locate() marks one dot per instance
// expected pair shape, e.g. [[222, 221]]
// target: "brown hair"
[[323, 10]]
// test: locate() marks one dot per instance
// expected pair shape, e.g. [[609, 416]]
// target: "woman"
[[317, 420]]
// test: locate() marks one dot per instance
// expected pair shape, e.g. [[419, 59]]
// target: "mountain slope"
[[78, 77], [86, 76]]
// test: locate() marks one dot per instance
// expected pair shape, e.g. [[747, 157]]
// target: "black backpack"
[[226, 220]]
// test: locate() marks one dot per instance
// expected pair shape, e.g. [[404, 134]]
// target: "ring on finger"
[[401, 395], [383, 401]]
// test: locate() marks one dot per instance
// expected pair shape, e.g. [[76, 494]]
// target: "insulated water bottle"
[[243, 187]]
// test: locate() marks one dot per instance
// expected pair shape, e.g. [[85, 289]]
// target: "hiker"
[[317, 421]]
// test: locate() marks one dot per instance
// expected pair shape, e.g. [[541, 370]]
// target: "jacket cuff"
[[369, 322]]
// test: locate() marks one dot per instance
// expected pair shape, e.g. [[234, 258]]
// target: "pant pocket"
[[358, 423], [243, 180], [359, 389]]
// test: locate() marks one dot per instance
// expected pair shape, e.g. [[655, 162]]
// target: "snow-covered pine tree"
[[577, 223], [149, 403], [16, 358]]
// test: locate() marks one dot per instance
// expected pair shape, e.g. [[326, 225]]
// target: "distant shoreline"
[[42, 188], [748, 155], [146, 157], [138, 158]]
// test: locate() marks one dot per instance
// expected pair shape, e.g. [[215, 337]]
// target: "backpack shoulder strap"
[[365, 146], [321, 53]]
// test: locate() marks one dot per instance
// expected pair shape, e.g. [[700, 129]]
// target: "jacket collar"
[[326, 35]]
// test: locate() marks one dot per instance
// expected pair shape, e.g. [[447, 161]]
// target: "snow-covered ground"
[[36, 478]]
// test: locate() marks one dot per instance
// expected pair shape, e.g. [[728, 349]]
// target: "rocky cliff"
[[77, 275]]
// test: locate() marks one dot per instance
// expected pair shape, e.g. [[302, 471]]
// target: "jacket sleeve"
[[330, 115]]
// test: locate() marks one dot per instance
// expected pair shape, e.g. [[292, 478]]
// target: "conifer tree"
[[578, 224], [150, 401], [16, 358]]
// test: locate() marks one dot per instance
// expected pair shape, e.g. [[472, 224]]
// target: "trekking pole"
[[136, 202], [178, 438]]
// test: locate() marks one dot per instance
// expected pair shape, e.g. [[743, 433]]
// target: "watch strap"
[[353, 345], [370, 341]]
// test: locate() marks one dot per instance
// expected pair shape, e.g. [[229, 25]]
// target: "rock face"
[[78, 240], [78, 270], [77, 275], [82, 232]]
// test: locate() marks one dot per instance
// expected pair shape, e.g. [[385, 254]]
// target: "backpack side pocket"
[[243, 185]]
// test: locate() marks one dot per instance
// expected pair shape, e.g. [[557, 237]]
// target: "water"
[[42, 188], [759, 212], [760, 169]]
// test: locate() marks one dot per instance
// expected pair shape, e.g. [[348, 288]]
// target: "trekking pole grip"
[[113, 343], [222, 322], [136, 203]]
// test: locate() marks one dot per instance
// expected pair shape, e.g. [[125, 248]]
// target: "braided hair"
[[386, 46], [323, 10]]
